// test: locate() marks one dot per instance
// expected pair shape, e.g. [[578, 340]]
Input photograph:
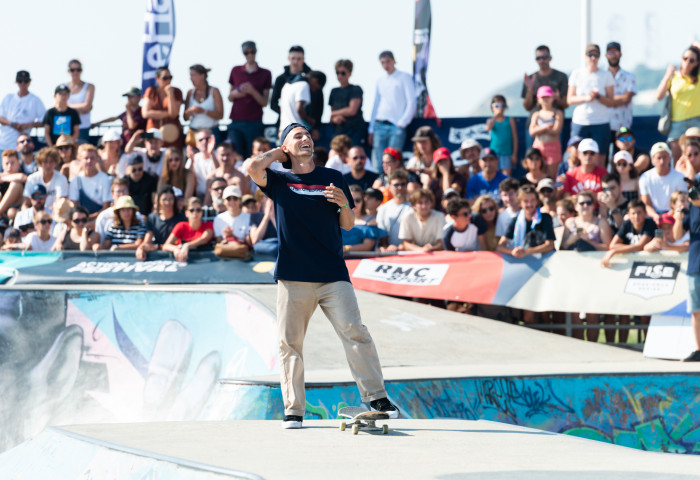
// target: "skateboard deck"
[[363, 419]]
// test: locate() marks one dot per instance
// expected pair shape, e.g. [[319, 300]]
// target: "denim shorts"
[[505, 161], [678, 128], [600, 133], [694, 293]]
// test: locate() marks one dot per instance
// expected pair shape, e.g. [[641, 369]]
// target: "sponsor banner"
[[649, 280], [401, 274], [158, 38]]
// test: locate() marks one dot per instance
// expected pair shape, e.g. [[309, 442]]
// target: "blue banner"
[[158, 38]]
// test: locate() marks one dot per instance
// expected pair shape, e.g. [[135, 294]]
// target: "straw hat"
[[691, 132], [124, 202], [65, 140], [61, 210]]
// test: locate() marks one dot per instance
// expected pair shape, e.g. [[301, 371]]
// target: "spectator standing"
[[78, 236], [592, 91], [131, 117], [358, 175], [486, 182], [586, 176], [391, 214], [142, 185], [55, 184], [294, 97], [175, 174], [61, 119], [421, 230], [11, 182], [204, 106], [90, 189], [189, 235], [249, 92], [25, 148], [545, 126], [126, 231], [81, 97], [296, 67], [160, 223], [393, 109], [314, 109], [161, 108], [346, 106], [657, 185], [682, 85], [624, 90], [19, 112], [504, 137]]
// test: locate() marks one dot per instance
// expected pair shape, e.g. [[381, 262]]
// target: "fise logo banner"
[[401, 273], [652, 279]]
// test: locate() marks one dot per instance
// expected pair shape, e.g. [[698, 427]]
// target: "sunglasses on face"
[[621, 164], [24, 228], [546, 190], [464, 214], [250, 52], [341, 73], [26, 140], [166, 77], [22, 81], [80, 220], [195, 210], [498, 105], [44, 221], [607, 189], [593, 55], [38, 197], [586, 203], [65, 147], [541, 58], [487, 209], [75, 69], [628, 138]]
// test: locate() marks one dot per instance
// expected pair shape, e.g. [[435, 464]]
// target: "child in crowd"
[[40, 240], [504, 136], [634, 233], [462, 235], [508, 190], [421, 230], [666, 240], [545, 126]]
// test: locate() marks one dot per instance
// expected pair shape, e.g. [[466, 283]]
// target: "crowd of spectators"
[[156, 185]]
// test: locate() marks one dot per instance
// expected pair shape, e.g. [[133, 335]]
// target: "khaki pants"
[[296, 303]]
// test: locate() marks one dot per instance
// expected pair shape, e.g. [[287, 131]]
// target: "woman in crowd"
[[111, 152], [586, 231], [625, 140], [175, 174], [190, 235], [534, 164], [689, 163], [682, 85], [346, 105], [126, 233], [161, 108], [425, 142], [565, 211], [81, 97], [629, 178], [591, 90], [373, 198], [78, 236], [487, 208], [545, 126], [337, 157], [204, 106], [67, 149], [160, 223], [41, 239], [392, 161], [443, 176]]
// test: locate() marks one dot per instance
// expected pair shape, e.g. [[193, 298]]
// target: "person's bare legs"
[[592, 333], [13, 196]]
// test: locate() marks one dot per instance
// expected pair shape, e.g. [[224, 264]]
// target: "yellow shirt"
[[686, 98]]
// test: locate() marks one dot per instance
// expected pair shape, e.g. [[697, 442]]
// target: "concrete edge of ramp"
[[60, 453]]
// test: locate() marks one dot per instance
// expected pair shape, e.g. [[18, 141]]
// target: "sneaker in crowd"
[[292, 421], [384, 405], [693, 357]]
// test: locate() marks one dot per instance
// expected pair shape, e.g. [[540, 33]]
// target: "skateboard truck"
[[363, 419]]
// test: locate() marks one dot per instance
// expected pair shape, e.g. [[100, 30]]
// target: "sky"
[[476, 47]]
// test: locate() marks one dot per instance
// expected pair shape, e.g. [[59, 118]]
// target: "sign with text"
[[158, 38], [401, 273], [652, 279]]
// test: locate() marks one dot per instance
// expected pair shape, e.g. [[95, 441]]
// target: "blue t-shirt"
[[691, 222], [478, 185], [310, 242]]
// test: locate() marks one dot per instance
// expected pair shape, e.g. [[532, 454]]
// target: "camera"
[[693, 188]]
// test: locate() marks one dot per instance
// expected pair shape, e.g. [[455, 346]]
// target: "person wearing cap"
[[391, 213], [204, 106], [119, 188], [250, 86], [486, 182], [142, 184], [393, 110], [131, 117], [570, 159], [25, 149], [346, 105], [194, 234], [681, 85], [249, 204], [358, 175], [469, 152], [81, 97], [592, 91], [111, 152], [689, 163], [312, 204], [693, 133], [60, 119], [152, 154], [425, 142], [626, 140], [545, 126], [56, 184], [296, 67], [586, 176], [624, 90], [233, 225], [91, 188], [657, 185], [126, 231], [533, 163], [628, 176], [11, 182], [37, 199], [19, 112], [161, 109], [392, 160], [444, 176], [547, 193]]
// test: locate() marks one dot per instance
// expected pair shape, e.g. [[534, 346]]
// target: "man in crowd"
[[56, 184], [611, 203], [217, 185], [625, 89], [296, 66], [469, 152], [657, 185], [390, 214], [358, 175], [61, 119], [508, 190], [294, 98], [225, 154], [547, 193], [152, 155], [25, 148], [203, 162], [393, 110], [19, 112], [588, 175], [250, 91], [25, 217], [487, 181], [91, 188], [142, 184]]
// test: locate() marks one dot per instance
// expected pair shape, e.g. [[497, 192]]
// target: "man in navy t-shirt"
[[312, 204]]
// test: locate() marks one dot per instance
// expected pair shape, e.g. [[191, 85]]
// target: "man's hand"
[[182, 253], [529, 81], [605, 262], [519, 252], [335, 195], [140, 253]]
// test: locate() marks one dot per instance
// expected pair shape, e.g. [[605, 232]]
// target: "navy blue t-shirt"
[[310, 242], [691, 222], [630, 236]]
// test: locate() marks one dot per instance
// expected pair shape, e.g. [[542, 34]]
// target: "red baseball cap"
[[441, 154]]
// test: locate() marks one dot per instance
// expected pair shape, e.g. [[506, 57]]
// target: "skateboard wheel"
[[355, 429], [343, 426], [385, 429]]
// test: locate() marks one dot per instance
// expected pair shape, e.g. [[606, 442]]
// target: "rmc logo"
[[401, 273]]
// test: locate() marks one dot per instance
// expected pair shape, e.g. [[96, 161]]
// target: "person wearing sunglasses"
[[544, 76], [627, 174], [61, 119], [25, 149], [77, 236], [19, 112], [81, 97], [250, 86], [358, 174], [626, 140], [504, 137], [625, 89], [142, 184], [586, 176], [176, 174], [682, 85], [592, 90], [41, 239], [689, 163], [486, 207], [161, 106], [586, 232], [346, 105], [190, 235]]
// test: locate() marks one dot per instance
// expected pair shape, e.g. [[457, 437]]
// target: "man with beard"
[[359, 175], [152, 155], [25, 148], [625, 89]]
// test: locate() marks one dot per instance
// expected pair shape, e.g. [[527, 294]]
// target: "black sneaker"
[[384, 405], [292, 421], [693, 357]]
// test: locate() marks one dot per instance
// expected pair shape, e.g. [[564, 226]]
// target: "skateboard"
[[362, 419]]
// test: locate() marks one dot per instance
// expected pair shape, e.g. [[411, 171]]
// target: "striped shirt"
[[119, 236]]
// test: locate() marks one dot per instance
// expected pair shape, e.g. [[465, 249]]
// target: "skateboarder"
[[311, 205]]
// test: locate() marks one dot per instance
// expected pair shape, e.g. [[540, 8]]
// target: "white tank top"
[[80, 98], [202, 120]]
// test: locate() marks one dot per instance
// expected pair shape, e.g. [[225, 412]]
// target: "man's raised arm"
[[257, 166]]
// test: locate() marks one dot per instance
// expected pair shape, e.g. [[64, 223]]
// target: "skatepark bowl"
[[182, 382]]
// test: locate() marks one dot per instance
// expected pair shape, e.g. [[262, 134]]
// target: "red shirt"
[[184, 232], [578, 180], [247, 108]]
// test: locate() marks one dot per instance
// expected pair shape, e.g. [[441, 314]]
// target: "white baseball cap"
[[232, 191], [469, 143], [588, 145], [156, 133], [623, 155]]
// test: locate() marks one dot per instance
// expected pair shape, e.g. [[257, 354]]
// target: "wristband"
[[347, 202]]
